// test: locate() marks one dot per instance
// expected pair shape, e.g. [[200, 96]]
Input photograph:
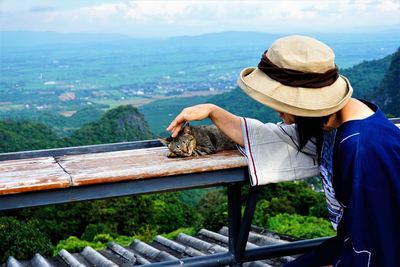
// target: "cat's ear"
[[165, 141], [186, 129]]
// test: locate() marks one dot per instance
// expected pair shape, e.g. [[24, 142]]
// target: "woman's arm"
[[227, 122]]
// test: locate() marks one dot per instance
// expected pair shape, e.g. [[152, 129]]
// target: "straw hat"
[[297, 75]]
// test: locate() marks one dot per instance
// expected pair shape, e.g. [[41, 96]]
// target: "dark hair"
[[309, 127]]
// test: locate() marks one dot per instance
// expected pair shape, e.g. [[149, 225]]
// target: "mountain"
[[387, 94], [23, 136], [366, 76], [60, 124], [233, 38], [14, 39], [124, 123]]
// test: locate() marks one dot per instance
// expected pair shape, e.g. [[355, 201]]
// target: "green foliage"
[[291, 198], [193, 196], [59, 221], [146, 233], [124, 240], [213, 209], [261, 213], [93, 230], [366, 76], [189, 231], [21, 136], [73, 245], [300, 226], [168, 208], [294, 197], [22, 239]]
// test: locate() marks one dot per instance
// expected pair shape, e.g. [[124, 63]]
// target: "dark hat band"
[[295, 78]]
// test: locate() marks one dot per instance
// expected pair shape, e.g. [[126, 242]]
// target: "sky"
[[165, 18]]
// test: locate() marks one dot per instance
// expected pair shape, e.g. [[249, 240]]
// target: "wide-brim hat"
[[303, 55]]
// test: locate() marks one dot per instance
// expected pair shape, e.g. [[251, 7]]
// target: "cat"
[[197, 140]]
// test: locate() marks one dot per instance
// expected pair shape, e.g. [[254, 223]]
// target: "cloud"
[[160, 17], [40, 9]]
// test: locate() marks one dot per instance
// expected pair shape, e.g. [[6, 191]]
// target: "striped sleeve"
[[272, 153]]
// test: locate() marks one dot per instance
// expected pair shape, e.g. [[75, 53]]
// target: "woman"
[[349, 142]]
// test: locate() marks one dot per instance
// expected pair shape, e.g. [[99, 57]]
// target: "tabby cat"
[[197, 140]]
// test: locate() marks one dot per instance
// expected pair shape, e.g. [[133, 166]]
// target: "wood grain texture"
[[17, 176], [141, 164], [25, 175]]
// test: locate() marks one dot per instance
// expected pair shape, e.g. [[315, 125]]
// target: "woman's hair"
[[309, 127]]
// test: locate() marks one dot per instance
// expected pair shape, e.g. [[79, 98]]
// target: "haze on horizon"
[[165, 18]]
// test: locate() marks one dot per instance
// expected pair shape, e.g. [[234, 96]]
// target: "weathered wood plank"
[[57, 152], [17, 176], [141, 164]]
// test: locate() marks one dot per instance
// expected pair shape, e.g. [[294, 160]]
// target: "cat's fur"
[[198, 140]]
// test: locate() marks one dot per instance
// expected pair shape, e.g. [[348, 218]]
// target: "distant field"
[[160, 113], [159, 76], [136, 101]]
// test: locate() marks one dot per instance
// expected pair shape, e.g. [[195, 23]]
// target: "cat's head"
[[183, 144]]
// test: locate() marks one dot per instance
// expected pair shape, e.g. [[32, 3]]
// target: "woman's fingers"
[[176, 124], [194, 113]]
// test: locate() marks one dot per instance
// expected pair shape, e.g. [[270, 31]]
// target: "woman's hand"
[[227, 122], [194, 113]]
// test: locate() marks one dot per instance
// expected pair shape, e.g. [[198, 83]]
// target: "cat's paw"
[[172, 155]]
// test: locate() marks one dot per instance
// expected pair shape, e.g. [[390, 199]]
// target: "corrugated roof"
[[159, 250]]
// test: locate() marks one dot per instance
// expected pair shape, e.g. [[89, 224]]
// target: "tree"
[[22, 239], [213, 210]]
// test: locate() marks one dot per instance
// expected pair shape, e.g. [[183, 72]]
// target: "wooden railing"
[[52, 176]]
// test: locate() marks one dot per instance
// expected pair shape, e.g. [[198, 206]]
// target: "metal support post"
[[234, 219], [246, 222]]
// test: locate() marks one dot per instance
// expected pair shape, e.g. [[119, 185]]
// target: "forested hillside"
[[387, 93], [24, 135], [366, 76], [124, 123], [240, 104]]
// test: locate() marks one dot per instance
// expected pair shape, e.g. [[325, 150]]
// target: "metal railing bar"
[[217, 259], [247, 219], [291, 248], [127, 188], [395, 120], [261, 253], [234, 218]]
